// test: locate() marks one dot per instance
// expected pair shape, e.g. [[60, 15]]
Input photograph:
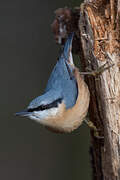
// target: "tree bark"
[[99, 26]]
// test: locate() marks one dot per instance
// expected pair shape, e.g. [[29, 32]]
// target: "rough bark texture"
[[99, 27]]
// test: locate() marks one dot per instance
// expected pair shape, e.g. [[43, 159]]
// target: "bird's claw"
[[98, 71], [93, 127]]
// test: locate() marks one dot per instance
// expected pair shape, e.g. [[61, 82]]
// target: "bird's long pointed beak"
[[22, 113], [68, 46]]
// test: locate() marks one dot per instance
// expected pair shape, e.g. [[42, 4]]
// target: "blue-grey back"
[[62, 80], [62, 83]]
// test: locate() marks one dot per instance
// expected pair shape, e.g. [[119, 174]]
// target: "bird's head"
[[43, 107]]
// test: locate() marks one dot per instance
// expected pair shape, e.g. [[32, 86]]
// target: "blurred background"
[[28, 54]]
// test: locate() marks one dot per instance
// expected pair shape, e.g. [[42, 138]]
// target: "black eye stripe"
[[47, 106]]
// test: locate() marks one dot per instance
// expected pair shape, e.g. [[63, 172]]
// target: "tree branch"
[[103, 44]]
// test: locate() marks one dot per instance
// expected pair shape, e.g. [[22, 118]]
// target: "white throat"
[[41, 116]]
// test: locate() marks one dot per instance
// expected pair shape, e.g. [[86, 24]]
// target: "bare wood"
[[99, 27]]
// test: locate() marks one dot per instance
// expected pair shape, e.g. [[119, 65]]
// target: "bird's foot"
[[94, 128], [98, 71]]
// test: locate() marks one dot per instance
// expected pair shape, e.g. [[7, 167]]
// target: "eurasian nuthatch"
[[65, 101]]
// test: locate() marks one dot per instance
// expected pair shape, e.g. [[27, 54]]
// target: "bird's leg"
[[98, 71], [93, 127]]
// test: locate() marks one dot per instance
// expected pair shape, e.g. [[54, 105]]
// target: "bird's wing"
[[62, 79], [61, 72], [64, 68]]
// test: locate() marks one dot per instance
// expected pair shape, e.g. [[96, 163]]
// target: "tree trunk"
[[99, 27], [98, 42]]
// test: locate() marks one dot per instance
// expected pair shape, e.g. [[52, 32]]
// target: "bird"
[[64, 104]]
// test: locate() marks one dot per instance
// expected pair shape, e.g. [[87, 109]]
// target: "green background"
[[28, 54]]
